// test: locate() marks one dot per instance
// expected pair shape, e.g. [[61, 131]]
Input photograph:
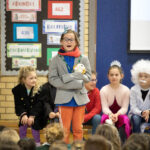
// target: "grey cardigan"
[[69, 85]]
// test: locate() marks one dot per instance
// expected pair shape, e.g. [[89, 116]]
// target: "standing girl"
[[27, 105], [71, 95], [115, 99]]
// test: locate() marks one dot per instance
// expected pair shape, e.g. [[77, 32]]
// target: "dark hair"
[[9, 146], [94, 72], [115, 66], [97, 142], [58, 145], [27, 144], [2, 127], [70, 31], [132, 146], [77, 145], [139, 138], [119, 69], [147, 138]]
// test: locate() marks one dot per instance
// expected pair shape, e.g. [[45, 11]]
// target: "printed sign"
[[58, 26], [20, 16], [24, 50], [53, 39], [60, 9], [25, 32], [19, 62], [34, 5]]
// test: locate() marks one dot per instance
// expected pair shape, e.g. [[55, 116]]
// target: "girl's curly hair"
[[23, 73], [54, 132]]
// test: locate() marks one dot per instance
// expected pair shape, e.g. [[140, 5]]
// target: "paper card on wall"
[[51, 52], [25, 32], [19, 62], [60, 9], [34, 5], [54, 53], [53, 39], [24, 16], [24, 49], [58, 26]]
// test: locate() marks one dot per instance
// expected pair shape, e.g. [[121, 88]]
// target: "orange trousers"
[[74, 115]]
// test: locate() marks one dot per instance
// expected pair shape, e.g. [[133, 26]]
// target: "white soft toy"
[[79, 68], [109, 121]]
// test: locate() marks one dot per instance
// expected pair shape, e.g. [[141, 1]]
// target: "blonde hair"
[[9, 135], [54, 132], [70, 31], [23, 73], [111, 133]]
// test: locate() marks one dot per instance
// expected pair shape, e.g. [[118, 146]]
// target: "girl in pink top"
[[115, 99]]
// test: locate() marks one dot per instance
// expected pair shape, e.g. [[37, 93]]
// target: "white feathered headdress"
[[115, 63]]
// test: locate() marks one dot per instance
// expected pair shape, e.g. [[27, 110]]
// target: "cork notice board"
[[31, 29]]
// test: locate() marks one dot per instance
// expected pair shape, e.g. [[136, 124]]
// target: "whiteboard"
[[140, 26]]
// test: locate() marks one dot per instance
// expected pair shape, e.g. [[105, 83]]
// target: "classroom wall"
[[8, 82], [112, 39]]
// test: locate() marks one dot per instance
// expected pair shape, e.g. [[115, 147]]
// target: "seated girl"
[[115, 100]]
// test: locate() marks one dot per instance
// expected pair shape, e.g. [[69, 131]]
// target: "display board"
[[31, 30]]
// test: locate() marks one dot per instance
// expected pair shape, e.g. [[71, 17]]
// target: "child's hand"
[[147, 118], [31, 121], [110, 116], [57, 114], [24, 120], [145, 115], [114, 117], [52, 115]]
